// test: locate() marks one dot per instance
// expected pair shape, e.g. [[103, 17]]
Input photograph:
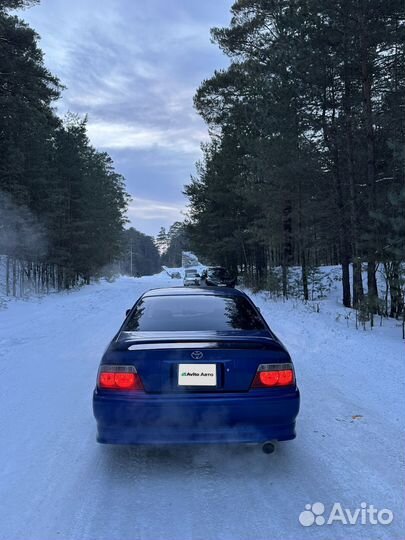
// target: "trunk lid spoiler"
[[195, 340]]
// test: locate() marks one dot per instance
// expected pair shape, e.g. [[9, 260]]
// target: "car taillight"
[[269, 375], [119, 378]]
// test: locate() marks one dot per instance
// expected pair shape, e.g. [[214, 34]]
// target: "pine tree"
[[162, 240]]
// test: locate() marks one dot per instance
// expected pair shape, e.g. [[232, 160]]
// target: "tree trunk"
[[372, 291], [358, 292], [347, 108], [14, 277], [329, 135], [392, 271], [287, 245], [371, 171], [304, 275], [346, 281], [8, 275]]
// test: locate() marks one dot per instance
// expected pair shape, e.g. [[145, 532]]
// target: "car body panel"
[[179, 419]]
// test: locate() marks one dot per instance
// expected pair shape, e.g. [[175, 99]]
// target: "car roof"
[[194, 291]]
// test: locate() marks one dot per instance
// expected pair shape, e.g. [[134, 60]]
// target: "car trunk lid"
[[177, 362]]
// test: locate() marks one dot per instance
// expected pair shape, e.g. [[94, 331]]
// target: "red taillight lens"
[[106, 380], [124, 380], [269, 375], [119, 378], [285, 377], [268, 378]]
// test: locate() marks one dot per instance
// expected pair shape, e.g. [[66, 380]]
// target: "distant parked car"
[[217, 276], [191, 278]]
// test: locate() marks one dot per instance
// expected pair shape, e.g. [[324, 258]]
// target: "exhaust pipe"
[[268, 447]]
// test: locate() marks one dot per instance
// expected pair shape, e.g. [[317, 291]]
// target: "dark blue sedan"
[[195, 366]]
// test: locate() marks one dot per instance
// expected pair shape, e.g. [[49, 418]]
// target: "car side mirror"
[[127, 312]]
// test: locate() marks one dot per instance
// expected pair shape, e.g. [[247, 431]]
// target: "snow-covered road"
[[56, 482]]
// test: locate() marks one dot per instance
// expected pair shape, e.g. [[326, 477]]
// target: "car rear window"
[[219, 273], [193, 313]]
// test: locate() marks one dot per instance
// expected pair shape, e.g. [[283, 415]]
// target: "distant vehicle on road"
[[217, 276], [195, 366], [191, 277]]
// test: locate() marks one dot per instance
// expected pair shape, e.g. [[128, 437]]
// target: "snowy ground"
[[56, 482]]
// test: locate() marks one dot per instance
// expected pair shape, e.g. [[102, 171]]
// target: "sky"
[[133, 67]]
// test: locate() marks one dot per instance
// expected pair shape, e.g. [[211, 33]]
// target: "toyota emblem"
[[196, 355]]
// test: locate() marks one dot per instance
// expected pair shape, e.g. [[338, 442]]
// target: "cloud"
[[147, 209], [133, 68], [131, 136]]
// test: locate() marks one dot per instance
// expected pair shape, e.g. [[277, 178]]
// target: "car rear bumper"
[[233, 418]]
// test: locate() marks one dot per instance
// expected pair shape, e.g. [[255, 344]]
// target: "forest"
[[305, 162], [62, 204]]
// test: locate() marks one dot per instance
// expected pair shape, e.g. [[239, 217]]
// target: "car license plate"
[[197, 375]]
